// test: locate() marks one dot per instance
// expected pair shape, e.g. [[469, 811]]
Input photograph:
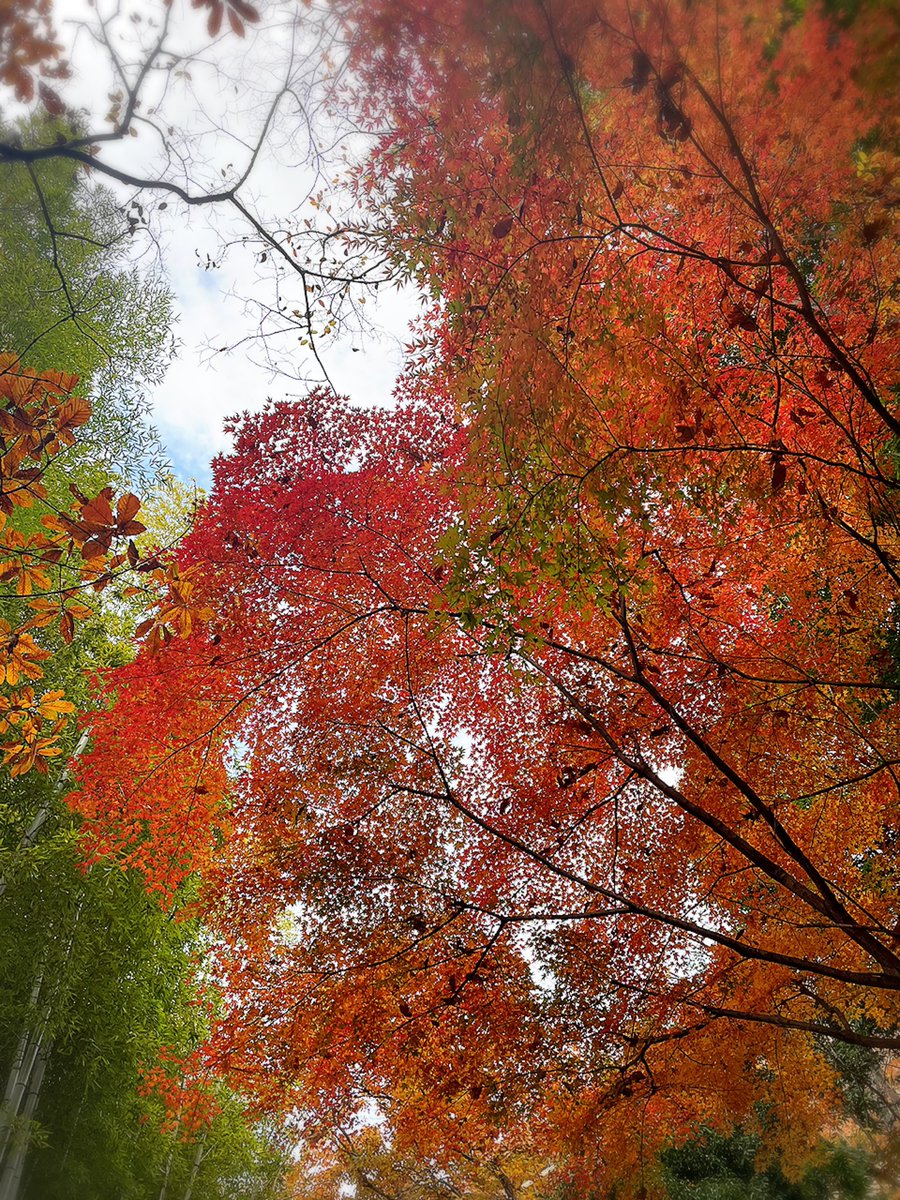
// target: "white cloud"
[[215, 107]]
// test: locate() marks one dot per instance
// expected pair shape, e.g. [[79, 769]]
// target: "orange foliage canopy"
[[49, 566], [52, 558], [565, 693]]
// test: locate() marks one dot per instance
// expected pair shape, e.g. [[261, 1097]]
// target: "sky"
[[198, 124]]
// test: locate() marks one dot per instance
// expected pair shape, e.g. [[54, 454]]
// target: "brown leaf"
[[73, 413], [98, 511], [127, 507], [246, 11], [94, 547], [51, 100]]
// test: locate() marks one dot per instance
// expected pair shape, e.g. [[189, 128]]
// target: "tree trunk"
[[164, 1190], [20, 1071], [14, 1168], [26, 1073], [195, 1165], [30, 837]]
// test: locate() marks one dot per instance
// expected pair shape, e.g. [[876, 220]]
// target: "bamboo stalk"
[[17, 1079], [195, 1165], [11, 1179]]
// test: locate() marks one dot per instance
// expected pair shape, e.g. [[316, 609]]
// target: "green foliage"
[[72, 299], [859, 1070], [110, 975], [715, 1167]]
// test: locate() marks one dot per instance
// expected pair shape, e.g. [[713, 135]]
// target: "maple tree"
[[566, 692]]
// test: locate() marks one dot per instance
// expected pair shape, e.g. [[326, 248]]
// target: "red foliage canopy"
[[566, 691]]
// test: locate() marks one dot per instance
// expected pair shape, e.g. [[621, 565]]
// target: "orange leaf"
[[98, 511], [127, 507]]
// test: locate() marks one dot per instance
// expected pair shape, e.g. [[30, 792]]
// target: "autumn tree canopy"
[[537, 737], [520, 761]]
